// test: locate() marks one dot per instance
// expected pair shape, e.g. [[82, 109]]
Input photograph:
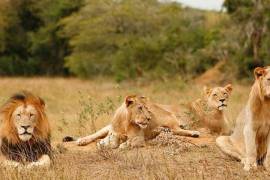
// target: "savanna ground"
[[79, 107]]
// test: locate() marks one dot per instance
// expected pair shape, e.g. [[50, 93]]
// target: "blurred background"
[[130, 39]]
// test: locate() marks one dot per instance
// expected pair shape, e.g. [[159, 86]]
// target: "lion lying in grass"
[[25, 132], [206, 113], [250, 141], [136, 120]]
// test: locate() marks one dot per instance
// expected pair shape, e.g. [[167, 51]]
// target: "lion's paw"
[[38, 165], [249, 164], [11, 164], [243, 161], [101, 145], [123, 146]]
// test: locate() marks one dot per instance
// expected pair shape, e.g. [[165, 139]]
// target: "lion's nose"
[[25, 127], [222, 100]]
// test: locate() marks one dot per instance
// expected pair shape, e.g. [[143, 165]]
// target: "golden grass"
[[78, 107]]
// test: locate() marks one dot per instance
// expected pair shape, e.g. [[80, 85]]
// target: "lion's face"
[[139, 113], [217, 97], [263, 76], [25, 119]]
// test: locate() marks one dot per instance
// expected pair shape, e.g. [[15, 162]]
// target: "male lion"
[[206, 113], [24, 132], [250, 141], [134, 121]]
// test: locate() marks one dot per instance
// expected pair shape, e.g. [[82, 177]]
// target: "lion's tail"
[[99, 134], [69, 139]]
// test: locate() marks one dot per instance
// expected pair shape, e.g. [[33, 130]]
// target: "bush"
[[129, 39], [29, 40]]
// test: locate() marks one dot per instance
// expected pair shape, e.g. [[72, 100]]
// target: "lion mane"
[[11, 146]]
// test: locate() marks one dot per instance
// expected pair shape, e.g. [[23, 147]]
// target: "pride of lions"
[[25, 130]]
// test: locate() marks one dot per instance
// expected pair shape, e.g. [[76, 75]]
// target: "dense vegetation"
[[252, 43], [29, 36], [131, 38]]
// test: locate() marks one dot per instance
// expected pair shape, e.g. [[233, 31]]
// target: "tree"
[[253, 17], [30, 41], [133, 38]]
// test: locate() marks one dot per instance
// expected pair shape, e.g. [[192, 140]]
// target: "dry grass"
[[78, 107]]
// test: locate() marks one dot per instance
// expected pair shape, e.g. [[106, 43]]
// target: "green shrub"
[[129, 39]]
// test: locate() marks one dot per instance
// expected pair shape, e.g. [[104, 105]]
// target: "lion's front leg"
[[110, 141], [44, 162], [83, 141], [250, 143], [10, 164], [4, 162], [182, 132], [134, 142], [266, 162], [99, 134], [135, 139]]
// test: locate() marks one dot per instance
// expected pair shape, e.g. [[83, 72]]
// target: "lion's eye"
[[140, 107], [215, 95], [18, 115], [31, 115], [225, 94]]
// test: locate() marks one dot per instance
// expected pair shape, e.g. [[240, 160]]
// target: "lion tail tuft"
[[69, 139]]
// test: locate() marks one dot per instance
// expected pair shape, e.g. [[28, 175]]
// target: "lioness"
[[250, 141], [133, 122], [206, 113]]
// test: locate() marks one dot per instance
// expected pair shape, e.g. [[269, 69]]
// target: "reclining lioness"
[[250, 141], [207, 113], [133, 122]]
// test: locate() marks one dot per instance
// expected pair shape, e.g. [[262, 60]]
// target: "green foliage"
[[233, 6], [127, 39], [91, 112], [30, 43], [252, 18], [133, 38]]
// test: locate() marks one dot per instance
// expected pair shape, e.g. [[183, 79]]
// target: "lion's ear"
[[42, 102], [228, 88], [130, 100], [258, 72], [207, 90]]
